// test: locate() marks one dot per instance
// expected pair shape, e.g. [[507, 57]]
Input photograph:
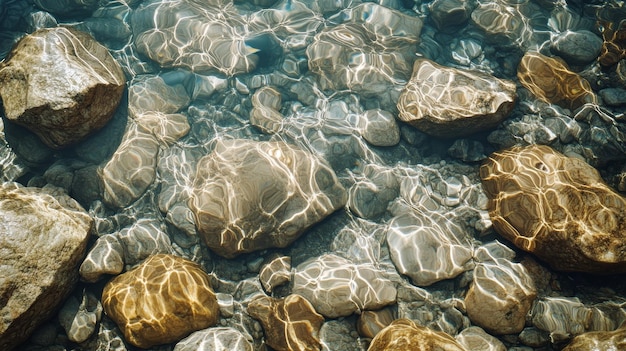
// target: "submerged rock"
[[161, 301], [43, 240], [368, 52], [577, 48], [252, 195], [405, 335], [552, 81], [449, 102], [611, 20], [595, 341], [79, 318], [290, 324], [216, 339], [61, 84], [428, 248], [338, 287], [556, 207], [500, 296]]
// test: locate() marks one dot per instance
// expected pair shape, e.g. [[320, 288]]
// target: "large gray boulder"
[[61, 84], [42, 241]]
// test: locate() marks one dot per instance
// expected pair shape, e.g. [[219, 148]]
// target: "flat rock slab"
[[42, 241], [61, 84]]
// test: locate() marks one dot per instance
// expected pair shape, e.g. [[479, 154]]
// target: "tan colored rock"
[[42, 242], [405, 335], [556, 207], [371, 323], [161, 301], [61, 84], [338, 287], [551, 80], [251, 195], [290, 324], [449, 102], [602, 340], [265, 113], [131, 169], [105, 257], [476, 339], [500, 296], [275, 273]]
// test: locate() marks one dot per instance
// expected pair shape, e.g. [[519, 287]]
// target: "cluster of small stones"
[[293, 176]]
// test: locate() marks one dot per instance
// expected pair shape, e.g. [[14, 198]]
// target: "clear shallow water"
[[336, 70]]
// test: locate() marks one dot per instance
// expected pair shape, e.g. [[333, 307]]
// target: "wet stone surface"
[[325, 175]]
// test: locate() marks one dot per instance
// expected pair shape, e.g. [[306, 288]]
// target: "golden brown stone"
[[551, 80], [161, 301], [612, 21], [290, 324], [556, 207], [405, 335], [371, 323], [601, 340]]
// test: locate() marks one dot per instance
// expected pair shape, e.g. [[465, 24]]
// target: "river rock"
[[265, 113], [61, 84], [611, 20], [540, 199], [43, 239], [476, 339], [449, 102], [275, 273], [613, 96], [161, 301], [604, 340], [131, 169], [105, 257], [368, 52], [338, 287], [428, 248], [502, 23], [68, 7], [80, 317], [379, 128], [252, 195], [290, 324], [576, 48], [371, 323], [450, 15], [500, 296], [551, 80], [405, 335], [214, 339]]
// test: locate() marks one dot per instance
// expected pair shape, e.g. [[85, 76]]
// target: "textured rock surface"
[[275, 273], [476, 339], [596, 341], [368, 52], [500, 296], [337, 287], [105, 257], [216, 339], [251, 195], [504, 24], [43, 239], [80, 317], [542, 200], [449, 102], [371, 323], [611, 20], [161, 301], [428, 248], [290, 324], [405, 335], [552, 81], [577, 48], [61, 84]]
